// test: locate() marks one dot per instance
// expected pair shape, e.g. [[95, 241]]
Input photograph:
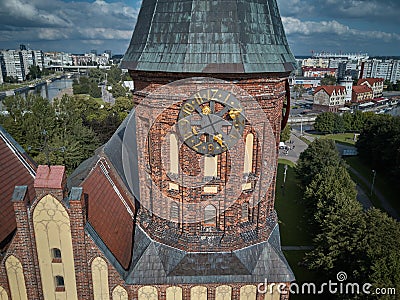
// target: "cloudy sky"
[[78, 26]]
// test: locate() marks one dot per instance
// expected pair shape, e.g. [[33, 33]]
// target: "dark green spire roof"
[[209, 36]]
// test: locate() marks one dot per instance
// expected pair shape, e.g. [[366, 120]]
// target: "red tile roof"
[[107, 213], [330, 88], [371, 81], [361, 89], [51, 178], [15, 169]]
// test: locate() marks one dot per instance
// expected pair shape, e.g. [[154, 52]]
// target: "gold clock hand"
[[218, 139], [233, 113]]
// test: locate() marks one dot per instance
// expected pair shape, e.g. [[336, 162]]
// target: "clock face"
[[211, 121]]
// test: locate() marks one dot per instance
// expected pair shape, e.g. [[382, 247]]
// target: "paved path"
[[293, 154], [385, 204], [293, 248], [363, 198]]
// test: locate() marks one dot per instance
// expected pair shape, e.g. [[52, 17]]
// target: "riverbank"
[[67, 91]]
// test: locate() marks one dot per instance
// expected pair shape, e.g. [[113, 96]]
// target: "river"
[[53, 89]]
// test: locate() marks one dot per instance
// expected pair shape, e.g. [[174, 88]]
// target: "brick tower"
[[193, 52]]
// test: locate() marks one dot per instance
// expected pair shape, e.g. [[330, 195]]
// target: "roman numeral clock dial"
[[211, 121]]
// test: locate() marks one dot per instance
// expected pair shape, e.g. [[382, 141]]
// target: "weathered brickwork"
[[233, 231]]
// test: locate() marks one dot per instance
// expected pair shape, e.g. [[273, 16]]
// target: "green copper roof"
[[209, 36]]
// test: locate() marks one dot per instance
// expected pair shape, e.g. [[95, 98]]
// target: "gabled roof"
[[16, 169], [361, 89], [371, 81], [329, 89], [225, 36]]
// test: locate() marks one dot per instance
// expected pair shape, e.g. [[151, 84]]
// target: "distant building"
[[347, 82], [318, 72], [376, 84], [361, 94], [12, 64], [306, 82], [388, 69], [329, 98]]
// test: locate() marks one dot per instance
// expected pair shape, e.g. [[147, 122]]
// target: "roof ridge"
[[16, 149]]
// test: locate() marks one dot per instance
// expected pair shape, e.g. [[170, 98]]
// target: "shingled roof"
[[229, 36], [16, 169]]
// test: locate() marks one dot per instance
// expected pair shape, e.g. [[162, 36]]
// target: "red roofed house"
[[361, 93], [329, 98], [376, 84]]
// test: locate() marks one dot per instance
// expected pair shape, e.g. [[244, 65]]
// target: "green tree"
[[118, 90], [328, 80], [285, 133], [325, 122], [34, 72], [337, 218], [319, 154], [379, 143]]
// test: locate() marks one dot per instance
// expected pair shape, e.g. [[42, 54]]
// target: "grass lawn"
[[294, 228], [383, 182], [344, 138], [293, 225], [302, 273]]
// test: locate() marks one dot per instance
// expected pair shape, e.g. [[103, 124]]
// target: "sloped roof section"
[[160, 264], [109, 214], [16, 169], [329, 89], [200, 36]]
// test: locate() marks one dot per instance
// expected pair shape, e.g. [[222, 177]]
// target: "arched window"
[[210, 215], [248, 154], [174, 212], [59, 283], [173, 154], [56, 255], [245, 211]]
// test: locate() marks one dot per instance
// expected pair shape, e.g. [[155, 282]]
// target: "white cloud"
[[333, 28]]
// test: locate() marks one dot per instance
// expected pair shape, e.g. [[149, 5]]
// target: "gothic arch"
[[198, 293], [248, 292], [100, 279], [52, 229], [16, 280], [119, 293], [174, 293], [148, 293]]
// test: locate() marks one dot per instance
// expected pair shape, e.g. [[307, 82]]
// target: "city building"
[[128, 223], [388, 69], [12, 64], [361, 94], [347, 82], [318, 72], [306, 82], [376, 84], [329, 98], [57, 59]]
